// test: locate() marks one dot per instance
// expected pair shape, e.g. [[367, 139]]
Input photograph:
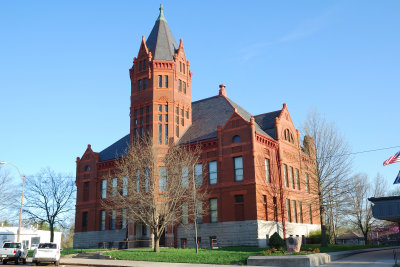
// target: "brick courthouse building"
[[256, 171]]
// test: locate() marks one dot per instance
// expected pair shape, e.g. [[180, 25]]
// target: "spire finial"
[[161, 16]]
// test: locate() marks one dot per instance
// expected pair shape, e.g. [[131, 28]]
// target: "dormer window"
[[236, 139], [288, 136]]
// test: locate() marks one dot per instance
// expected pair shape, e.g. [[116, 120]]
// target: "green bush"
[[276, 241], [314, 237]]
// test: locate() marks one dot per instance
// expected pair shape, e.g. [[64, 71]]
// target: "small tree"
[[359, 208], [155, 186], [49, 198], [276, 241]]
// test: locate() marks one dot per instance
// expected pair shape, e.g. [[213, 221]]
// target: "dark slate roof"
[[267, 122], [207, 114], [116, 150], [161, 42]]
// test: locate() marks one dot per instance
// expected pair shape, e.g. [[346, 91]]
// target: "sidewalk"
[[121, 263]]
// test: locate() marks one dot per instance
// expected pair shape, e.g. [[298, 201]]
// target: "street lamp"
[[22, 198]]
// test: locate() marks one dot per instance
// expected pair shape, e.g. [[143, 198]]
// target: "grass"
[[228, 255]]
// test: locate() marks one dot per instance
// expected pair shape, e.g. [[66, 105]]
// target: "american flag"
[[393, 159]]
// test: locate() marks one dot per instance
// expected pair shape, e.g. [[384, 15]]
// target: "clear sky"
[[64, 80]]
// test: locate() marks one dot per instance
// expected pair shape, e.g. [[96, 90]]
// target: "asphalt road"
[[381, 258]]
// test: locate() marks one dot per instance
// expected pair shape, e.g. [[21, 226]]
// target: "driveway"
[[381, 258]]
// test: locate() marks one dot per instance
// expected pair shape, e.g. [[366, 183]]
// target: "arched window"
[[236, 139], [87, 168], [288, 136]]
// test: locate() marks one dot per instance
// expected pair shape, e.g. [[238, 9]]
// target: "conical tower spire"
[[161, 43]]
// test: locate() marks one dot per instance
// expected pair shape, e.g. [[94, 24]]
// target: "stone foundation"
[[97, 239]]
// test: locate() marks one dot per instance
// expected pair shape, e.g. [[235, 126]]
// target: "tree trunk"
[[324, 243], [51, 232], [156, 242]]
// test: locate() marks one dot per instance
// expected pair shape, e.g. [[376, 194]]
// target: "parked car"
[[46, 252], [13, 251]]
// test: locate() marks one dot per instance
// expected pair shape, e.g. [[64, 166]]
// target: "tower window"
[[135, 112], [141, 111], [140, 65], [166, 108], [184, 67], [166, 118], [140, 85], [147, 109], [166, 81], [177, 119], [187, 114], [160, 134], [180, 85], [160, 108], [160, 81], [177, 131], [180, 66], [236, 139], [184, 87], [144, 83], [147, 119], [166, 133], [177, 110], [182, 112], [159, 117], [182, 122]]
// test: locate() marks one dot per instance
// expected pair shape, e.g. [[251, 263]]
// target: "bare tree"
[[156, 186], [330, 174], [9, 195], [49, 198], [358, 207]]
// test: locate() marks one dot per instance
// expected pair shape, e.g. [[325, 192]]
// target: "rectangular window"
[[140, 65], [166, 108], [140, 85], [212, 172], [239, 208], [144, 230], [179, 85], [160, 117], [288, 213], [213, 210], [177, 110], [113, 220], [185, 216], [180, 66], [307, 183], [159, 108], [123, 219], [184, 67], [125, 186], [147, 119], [114, 186], [102, 220], [291, 177], [182, 112], [141, 111], [182, 122], [199, 211], [184, 87], [300, 212], [166, 134], [265, 207], [162, 181], [198, 174], [177, 119], [166, 81], [166, 118], [185, 177], [148, 129], [146, 180], [160, 81], [238, 168], [187, 114], [141, 121], [177, 131], [297, 179], [285, 175], [310, 213], [160, 134], [135, 112], [147, 109], [267, 174], [103, 189], [294, 208], [144, 83], [85, 219]]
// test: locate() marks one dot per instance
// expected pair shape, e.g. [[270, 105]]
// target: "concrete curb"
[[307, 260]]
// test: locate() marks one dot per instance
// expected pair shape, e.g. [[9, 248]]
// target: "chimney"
[[222, 91]]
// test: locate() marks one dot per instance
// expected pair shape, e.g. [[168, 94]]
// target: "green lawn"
[[229, 255]]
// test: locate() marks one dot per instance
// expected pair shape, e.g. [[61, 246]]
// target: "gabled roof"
[[116, 150], [208, 113], [161, 43], [267, 122]]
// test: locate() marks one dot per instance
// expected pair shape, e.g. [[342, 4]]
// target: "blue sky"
[[64, 80]]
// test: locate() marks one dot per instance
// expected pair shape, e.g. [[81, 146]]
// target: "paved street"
[[380, 258]]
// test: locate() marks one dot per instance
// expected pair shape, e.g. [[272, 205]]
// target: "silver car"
[[46, 252]]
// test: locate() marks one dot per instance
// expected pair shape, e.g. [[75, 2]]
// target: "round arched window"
[[236, 139]]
